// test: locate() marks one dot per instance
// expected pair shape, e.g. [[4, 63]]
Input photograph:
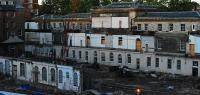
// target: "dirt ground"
[[149, 83]]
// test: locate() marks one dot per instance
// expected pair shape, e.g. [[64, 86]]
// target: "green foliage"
[[67, 6]]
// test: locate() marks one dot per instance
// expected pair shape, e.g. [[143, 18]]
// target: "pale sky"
[[192, 0]]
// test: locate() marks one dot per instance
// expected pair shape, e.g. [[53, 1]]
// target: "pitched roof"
[[170, 15], [68, 16], [128, 5], [13, 39]]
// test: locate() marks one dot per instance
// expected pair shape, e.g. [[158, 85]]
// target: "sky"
[[192, 0]]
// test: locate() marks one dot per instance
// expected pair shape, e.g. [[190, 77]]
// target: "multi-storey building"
[[186, 21], [54, 30], [128, 35], [30, 7], [11, 28]]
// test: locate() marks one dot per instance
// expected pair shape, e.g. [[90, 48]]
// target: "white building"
[[68, 78], [5, 66]]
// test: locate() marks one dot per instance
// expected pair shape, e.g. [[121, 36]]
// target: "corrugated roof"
[[183, 14]]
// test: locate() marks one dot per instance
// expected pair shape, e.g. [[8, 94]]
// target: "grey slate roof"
[[68, 16], [170, 15], [128, 5]]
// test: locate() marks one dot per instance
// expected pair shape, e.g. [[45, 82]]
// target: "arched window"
[[111, 57], [103, 56], [60, 73], [119, 58], [129, 58], [44, 74], [53, 75]]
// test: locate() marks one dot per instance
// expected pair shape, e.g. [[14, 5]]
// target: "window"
[[139, 26], [60, 76], [75, 79], [138, 63], [7, 3], [80, 26], [73, 26], [67, 75], [182, 27], [157, 62], [95, 56], [73, 53], [119, 58], [129, 58], [120, 24], [159, 27], [103, 56], [28, 26], [86, 55], [60, 24], [148, 61], [44, 74], [111, 57], [178, 64], [171, 27], [195, 63], [22, 69], [54, 25], [145, 26], [120, 41], [80, 54], [1, 67], [169, 63], [103, 40], [182, 45], [159, 44], [88, 26], [53, 75]]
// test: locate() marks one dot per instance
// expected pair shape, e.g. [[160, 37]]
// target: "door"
[[14, 71], [195, 72], [192, 49]]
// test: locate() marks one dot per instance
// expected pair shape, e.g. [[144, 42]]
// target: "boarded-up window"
[[138, 44]]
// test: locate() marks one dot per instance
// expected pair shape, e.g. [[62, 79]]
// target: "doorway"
[[195, 72]]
